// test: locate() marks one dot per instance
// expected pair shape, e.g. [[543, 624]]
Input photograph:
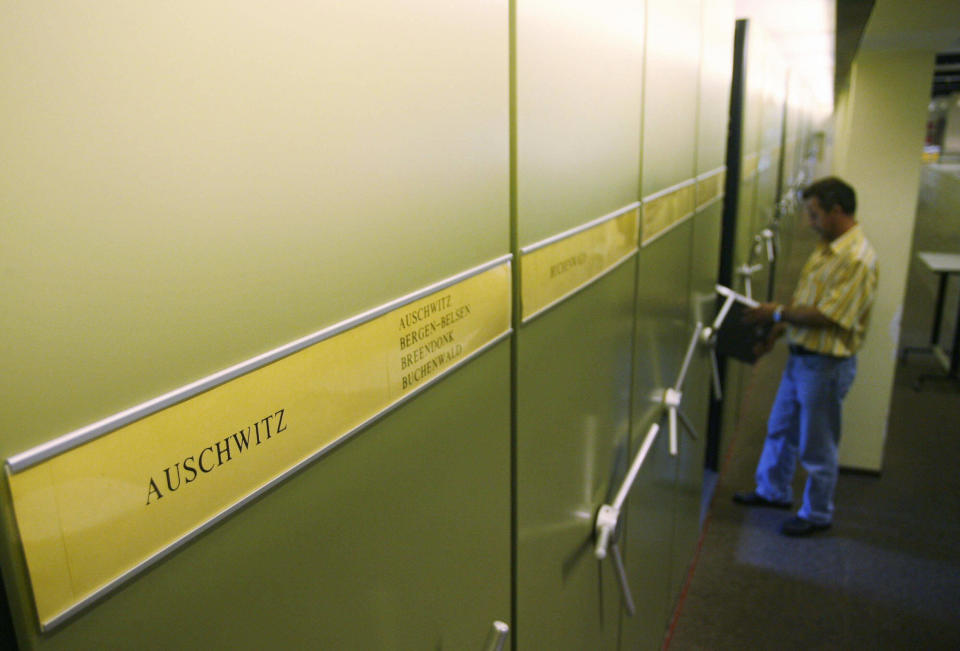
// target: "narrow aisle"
[[887, 575]]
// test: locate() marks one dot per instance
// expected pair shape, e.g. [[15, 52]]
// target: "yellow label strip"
[[555, 269], [710, 187], [92, 516], [664, 210]]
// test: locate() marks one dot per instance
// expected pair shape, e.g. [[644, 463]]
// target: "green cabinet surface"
[[662, 331], [573, 382], [193, 184], [397, 540], [663, 324], [712, 116], [579, 70]]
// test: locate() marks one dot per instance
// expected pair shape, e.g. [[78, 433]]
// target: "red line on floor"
[[706, 524]]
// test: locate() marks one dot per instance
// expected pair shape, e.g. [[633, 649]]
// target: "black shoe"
[[797, 526], [751, 498]]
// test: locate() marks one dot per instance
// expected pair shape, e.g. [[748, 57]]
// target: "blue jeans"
[[805, 420]]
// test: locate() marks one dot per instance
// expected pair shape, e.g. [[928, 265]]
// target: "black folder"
[[736, 339]]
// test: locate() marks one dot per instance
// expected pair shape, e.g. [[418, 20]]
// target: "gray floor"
[[887, 575]]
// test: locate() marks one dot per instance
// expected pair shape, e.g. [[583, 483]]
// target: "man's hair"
[[830, 192]]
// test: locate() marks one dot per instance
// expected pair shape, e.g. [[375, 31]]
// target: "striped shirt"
[[840, 280]]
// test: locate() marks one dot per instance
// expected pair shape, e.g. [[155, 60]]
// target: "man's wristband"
[[778, 314]]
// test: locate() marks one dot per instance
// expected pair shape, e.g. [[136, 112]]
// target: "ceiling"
[[946, 74], [852, 16], [932, 25], [820, 38], [805, 34]]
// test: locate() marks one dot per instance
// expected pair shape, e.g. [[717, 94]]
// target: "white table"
[[941, 262], [944, 265]]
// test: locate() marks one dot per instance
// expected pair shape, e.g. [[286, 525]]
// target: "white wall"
[[880, 140]]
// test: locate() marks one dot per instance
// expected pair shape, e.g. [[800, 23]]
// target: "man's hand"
[[801, 315], [763, 347], [763, 313]]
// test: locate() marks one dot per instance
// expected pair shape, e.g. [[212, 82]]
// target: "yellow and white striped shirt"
[[840, 280]]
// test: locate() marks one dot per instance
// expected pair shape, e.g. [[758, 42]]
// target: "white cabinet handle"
[[673, 396], [765, 238], [497, 636], [608, 517], [607, 523], [608, 520], [746, 272], [622, 579], [731, 297], [708, 335]]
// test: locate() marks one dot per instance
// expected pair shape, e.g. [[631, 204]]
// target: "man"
[[825, 322]]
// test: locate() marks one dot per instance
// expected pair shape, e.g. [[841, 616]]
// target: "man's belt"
[[796, 349]]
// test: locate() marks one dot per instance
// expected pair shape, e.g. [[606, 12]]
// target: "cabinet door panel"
[[572, 422], [579, 86], [194, 184], [663, 330], [663, 326], [714, 100]]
